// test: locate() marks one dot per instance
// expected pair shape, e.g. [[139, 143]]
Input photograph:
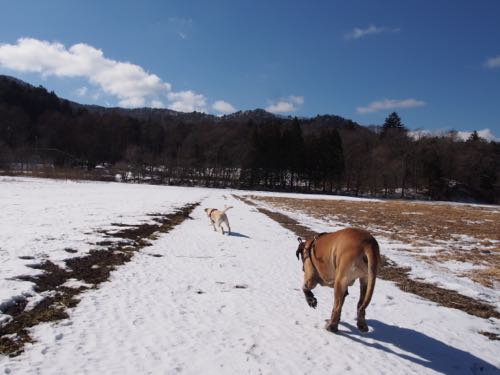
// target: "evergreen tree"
[[391, 123], [473, 137]]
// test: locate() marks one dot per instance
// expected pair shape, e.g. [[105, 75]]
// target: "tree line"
[[323, 154]]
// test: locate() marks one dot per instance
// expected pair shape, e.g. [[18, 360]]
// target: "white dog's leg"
[[219, 223]]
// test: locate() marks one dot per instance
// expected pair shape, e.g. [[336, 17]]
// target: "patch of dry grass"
[[463, 233]]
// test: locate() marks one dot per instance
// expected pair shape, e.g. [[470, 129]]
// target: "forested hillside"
[[252, 149]]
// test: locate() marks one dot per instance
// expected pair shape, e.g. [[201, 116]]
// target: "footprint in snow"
[[26, 257]]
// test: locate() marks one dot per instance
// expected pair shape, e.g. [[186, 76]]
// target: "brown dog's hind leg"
[[362, 326], [345, 295], [339, 292]]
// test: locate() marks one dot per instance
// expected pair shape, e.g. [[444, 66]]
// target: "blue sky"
[[437, 63]]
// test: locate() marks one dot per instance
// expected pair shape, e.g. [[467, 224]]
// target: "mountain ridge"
[[257, 115]]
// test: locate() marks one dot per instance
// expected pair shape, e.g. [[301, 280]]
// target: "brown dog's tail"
[[226, 208], [372, 253]]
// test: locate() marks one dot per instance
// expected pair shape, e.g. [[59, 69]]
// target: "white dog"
[[218, 218]]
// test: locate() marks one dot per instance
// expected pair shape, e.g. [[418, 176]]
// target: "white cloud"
[[82, 91], [223, 107], [284, 105], [422, 133], [493, 62], [484, 133], [134, 102], [157, 104], [461, 135], [358, 33], [129, 83], [187, 101], [389, 104]]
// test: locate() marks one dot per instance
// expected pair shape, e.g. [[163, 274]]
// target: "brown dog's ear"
[[300, 248], [298, 253]]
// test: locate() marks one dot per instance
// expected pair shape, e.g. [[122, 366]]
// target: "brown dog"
[[218, 218], [337, 260]]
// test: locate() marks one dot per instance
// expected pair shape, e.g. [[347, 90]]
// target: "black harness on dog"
[[307, 252]]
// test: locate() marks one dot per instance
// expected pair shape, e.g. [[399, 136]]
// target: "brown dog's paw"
[[362, 326], [312, 302], [332, 327]]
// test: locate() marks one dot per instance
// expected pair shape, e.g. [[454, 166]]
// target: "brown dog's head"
[[208, 211]]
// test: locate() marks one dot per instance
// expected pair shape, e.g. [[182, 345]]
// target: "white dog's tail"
[[226, 208]]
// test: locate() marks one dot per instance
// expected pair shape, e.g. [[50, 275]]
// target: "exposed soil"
[[93, 268], [491, 335], [399, 275]]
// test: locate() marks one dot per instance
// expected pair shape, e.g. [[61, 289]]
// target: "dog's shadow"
[[419, 348], [236, 234]]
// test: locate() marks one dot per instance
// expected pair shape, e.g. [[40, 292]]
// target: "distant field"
[[464, 237]]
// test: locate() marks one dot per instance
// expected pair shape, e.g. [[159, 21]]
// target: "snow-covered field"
[[212, 304], [43, 218]]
